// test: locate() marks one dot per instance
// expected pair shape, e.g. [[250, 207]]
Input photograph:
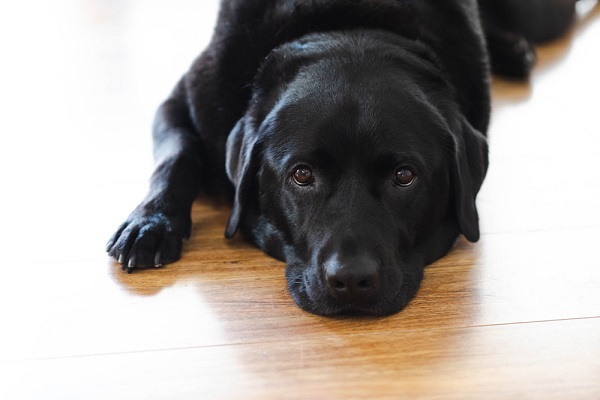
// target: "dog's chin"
[[330, 308], [320, 303]]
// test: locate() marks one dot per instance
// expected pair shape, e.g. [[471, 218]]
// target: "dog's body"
[[353, 133]]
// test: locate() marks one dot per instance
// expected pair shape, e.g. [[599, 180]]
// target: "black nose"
[[354, 280]]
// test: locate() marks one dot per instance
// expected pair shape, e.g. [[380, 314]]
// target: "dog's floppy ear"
[[468, 171], [241, 166]]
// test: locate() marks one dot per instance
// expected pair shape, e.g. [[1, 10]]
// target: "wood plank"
[[551, 360], [222, 293]]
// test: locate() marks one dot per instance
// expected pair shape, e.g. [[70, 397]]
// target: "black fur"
[[357, 90]]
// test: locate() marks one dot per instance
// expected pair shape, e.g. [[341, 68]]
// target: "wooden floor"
[[515, 316]]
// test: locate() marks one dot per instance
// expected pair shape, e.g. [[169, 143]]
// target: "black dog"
[[353, 132]]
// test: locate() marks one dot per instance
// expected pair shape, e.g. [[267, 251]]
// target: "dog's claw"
[[130, 265], [157, 263], [120, 260]]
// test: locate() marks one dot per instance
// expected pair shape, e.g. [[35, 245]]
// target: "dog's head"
[[355, 165]]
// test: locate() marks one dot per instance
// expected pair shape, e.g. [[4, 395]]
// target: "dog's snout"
[[351, 281]]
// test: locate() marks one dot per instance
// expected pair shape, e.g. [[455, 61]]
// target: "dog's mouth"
[[313, 297]]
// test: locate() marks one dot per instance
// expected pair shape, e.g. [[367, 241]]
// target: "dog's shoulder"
[[265, 24], [248, 30]]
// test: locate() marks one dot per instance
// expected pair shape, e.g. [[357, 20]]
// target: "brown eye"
[[404, 176], [303, 175]]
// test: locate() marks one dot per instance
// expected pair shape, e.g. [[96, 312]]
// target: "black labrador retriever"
[[351, 135]]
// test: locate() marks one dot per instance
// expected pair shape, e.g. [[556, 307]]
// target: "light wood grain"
[[515, 316], [551, 360]]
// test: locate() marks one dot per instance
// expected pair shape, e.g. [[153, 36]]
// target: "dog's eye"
[[303, 175], [404, 176]]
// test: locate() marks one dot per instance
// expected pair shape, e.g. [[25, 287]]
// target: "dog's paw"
[[148, 241], [511, 56]]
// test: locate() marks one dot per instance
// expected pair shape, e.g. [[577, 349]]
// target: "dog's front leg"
[[152, 234]]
